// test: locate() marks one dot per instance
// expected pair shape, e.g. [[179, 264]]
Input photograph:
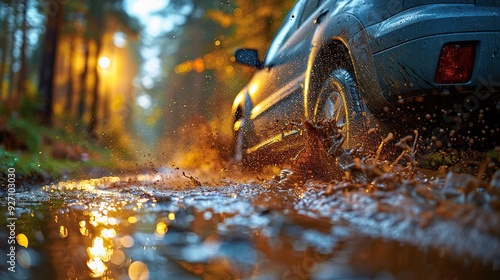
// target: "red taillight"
[[455, 64]]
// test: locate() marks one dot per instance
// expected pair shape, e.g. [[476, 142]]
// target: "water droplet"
[[207, 215]]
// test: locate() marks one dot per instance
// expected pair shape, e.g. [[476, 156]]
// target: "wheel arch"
[[348, 42], [331, 56], [242, 105], [242, 108], [238, 104]]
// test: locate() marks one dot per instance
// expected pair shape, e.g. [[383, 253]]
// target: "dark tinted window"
[[287, 28], [309, 8]]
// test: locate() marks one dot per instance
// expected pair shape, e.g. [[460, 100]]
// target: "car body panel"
[[490, 3], [428, 20], [403, 42], [279, 95], [403, 75]]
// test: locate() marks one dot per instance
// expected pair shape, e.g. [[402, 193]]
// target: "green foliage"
[[7, 159], [29, 104], [438, 159], [493, 155], [453, 157], [24, 164], [38, 161], [28, 131]]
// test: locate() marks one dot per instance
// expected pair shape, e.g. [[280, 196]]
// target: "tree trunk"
[[47, 77], [3, 62], [69, 98], [4, 39], [83, 82], [13, 51], [21, 87], [91, 129]]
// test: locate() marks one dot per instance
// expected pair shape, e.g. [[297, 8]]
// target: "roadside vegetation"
[[59, 112], [39, 152]]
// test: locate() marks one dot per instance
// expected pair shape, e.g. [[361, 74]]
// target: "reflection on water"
[[111, 228], [98, 254]]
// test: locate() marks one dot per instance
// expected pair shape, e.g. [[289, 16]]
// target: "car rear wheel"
[[339, 99]]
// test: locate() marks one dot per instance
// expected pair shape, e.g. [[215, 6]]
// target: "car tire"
[[339, 98]]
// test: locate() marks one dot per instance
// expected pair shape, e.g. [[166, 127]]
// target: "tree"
[[21, 87], [83, 82], [13, 50], [94, 31], [72, 29], [97, 12], [47, 71], [5, 38]]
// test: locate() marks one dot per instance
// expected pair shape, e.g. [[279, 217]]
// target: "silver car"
[[370, 64]]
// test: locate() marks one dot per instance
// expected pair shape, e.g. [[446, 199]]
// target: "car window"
[[287, 28], [311, 6]]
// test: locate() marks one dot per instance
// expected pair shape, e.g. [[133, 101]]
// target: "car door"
[[277, 90]]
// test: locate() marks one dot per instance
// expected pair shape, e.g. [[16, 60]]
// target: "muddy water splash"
[[324, 158]]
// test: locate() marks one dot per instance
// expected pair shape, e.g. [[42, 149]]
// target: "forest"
[[77, 89]]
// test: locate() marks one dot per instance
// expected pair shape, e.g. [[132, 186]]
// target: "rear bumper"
[[406, 47]]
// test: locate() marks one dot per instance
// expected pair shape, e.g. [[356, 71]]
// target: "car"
[[371, 65]]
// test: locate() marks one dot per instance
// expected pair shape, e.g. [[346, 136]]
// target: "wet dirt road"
[[164, 225]]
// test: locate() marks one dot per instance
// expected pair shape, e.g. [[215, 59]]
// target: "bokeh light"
[[138, 271], [104, 62], [22, 240]]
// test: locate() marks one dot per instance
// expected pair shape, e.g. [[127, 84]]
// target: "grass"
[[37, 160]]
